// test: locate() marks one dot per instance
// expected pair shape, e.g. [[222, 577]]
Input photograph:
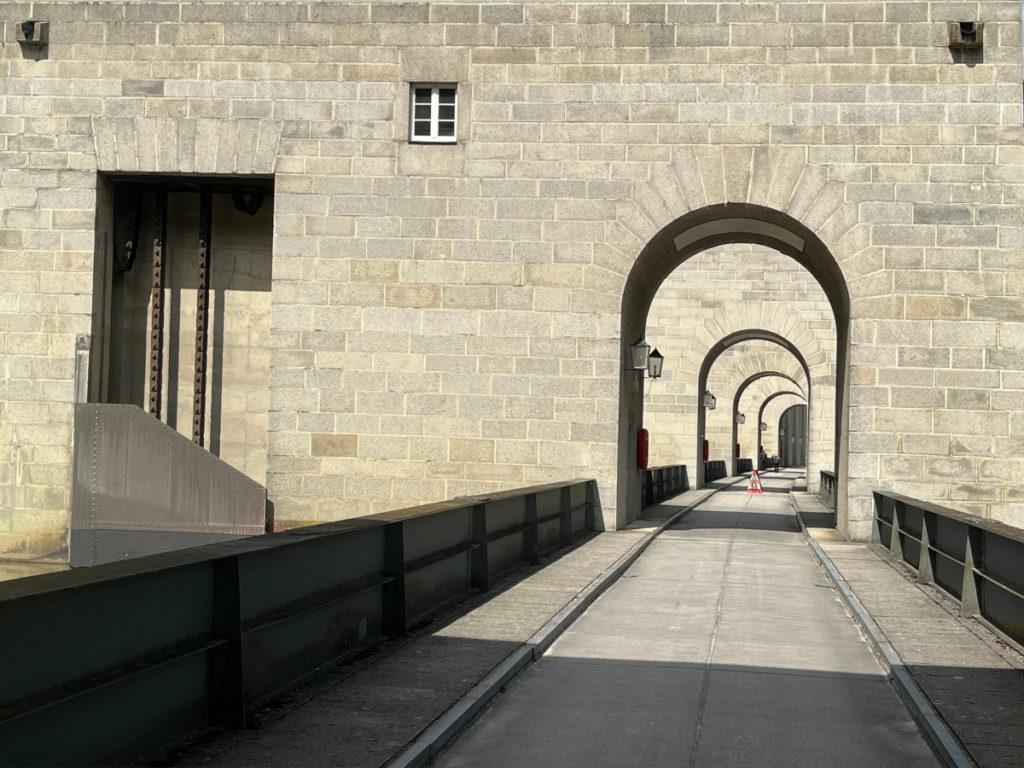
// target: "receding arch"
[[764, 404], [738, 337], [739, 394], [792, 446], [697, 231]]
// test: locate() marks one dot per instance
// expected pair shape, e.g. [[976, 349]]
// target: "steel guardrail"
[[980, 562], [158, 648], [660, 483], [827, 488], [715, 470]]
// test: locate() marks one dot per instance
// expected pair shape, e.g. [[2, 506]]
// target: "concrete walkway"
[[723, 645], [364, 713]]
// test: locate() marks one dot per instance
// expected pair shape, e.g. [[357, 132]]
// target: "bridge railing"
[[659, 483], [978, 561], [827, 488], [108, 664], [714, 470]]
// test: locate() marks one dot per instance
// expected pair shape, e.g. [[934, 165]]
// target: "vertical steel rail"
[[156, 332], [202, 316]]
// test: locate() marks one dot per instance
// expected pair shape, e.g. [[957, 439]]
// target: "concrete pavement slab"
[[828, 721], [575, 714], [779, 670]]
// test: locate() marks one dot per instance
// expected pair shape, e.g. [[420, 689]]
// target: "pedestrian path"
[[723, 645], [363, 713]]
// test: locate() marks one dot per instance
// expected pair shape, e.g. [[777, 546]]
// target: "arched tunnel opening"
[[749, 307]]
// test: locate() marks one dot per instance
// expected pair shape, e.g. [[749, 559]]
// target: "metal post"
[[565, 499], [591, 501], [156, 301], [970, 600], [531, 536], [925, 567], [479, 571], [227, 670], [876, 529], [202, 317], [396, 615], [82, 345], [895, 543]]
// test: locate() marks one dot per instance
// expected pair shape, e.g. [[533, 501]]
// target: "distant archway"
[[750, 334], [792, 437], [676, 242], [760, 411], [739, 395]]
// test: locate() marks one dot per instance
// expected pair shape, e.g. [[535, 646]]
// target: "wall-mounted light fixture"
[[640, 350], [741, 418], [643, 358], [763, 426], [655, 364], [710, 400]]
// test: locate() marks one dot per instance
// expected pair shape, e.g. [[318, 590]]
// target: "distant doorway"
[[793, 436]]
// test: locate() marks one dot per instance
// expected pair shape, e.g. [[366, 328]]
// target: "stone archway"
[[692, 233], [767, 401], [739, 395], [709, 360]]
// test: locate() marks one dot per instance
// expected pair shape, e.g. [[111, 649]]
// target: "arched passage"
[[739, 395], [687, 235], [713, 354], [765, 403], [792, 439]]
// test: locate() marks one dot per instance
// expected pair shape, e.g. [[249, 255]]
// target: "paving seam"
[[437, 735], [941, 737]]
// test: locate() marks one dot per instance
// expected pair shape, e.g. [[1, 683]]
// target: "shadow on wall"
[[238, 328]]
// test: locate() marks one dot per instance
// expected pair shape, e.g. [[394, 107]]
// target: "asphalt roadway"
[[723, 645]]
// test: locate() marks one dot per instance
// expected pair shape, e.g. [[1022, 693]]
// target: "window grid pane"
[[432, 117]]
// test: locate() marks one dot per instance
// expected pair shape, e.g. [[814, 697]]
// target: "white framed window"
[[432, 108]]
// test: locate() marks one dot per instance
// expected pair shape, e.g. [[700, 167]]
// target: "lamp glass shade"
[[640, 350], [741, 418], [763, 426], [655, 364]]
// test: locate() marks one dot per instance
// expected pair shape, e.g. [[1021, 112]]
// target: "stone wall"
[[445, 319]]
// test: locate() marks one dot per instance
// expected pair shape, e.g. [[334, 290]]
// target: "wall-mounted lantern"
[[763, 426], [640, 350], [709, 400], [643, 358], [655, 364], [741, 418]]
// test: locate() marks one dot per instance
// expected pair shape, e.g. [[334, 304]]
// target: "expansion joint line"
[[706, 680]]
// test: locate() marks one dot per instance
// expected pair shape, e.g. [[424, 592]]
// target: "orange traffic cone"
[[755, 484]]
